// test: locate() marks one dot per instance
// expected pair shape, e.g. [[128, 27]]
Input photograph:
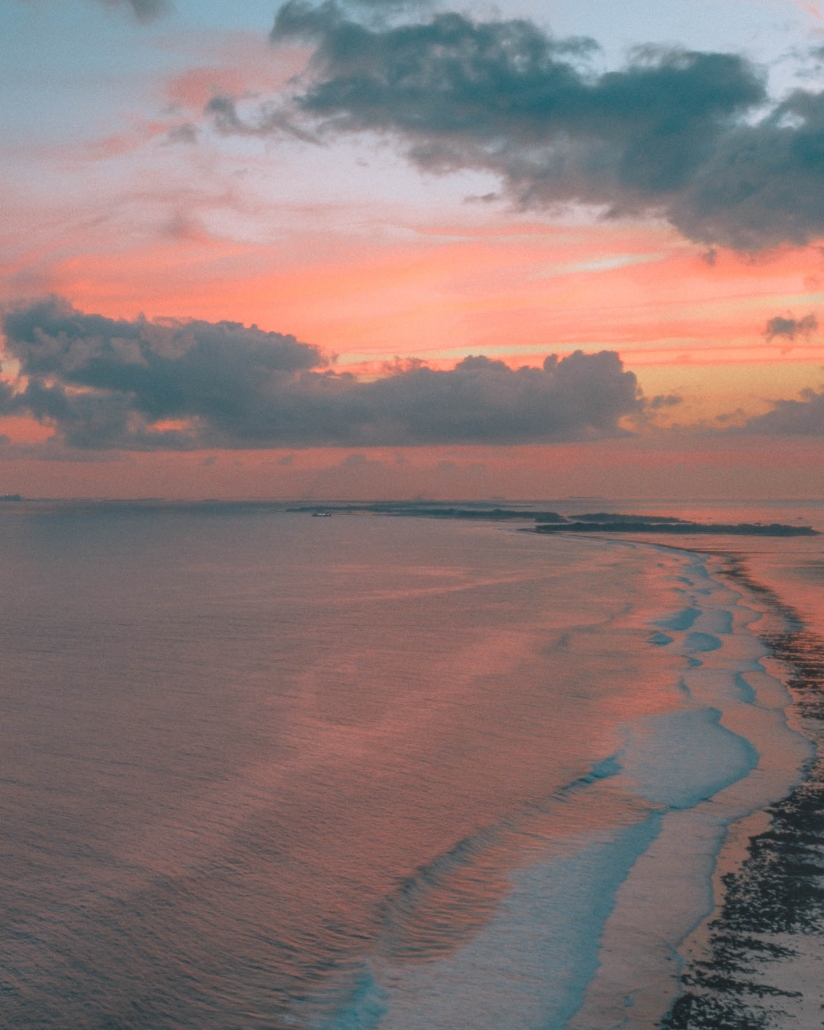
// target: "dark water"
[[259, 770]]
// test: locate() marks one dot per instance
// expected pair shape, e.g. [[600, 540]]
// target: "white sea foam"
[[746, 758], [587, 937]]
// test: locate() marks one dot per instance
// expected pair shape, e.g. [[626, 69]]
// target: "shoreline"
[[757, 962]]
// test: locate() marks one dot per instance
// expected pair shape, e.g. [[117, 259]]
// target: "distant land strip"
[[544, 521], [553, 522]]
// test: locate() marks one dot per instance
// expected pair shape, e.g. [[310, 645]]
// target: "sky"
[[400, 249]]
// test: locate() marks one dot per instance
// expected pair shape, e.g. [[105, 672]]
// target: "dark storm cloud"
[[790, 328], [138, 385], [665, 135]]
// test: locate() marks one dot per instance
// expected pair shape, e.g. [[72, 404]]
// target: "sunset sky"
[[326, 249]]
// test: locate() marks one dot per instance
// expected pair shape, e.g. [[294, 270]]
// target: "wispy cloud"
[[144, 10]]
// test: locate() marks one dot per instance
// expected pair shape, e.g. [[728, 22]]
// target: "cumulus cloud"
[[115, 384], [690, 136], [790, 327]]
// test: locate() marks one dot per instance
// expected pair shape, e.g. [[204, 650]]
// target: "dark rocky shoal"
[[630, 524], [778, 892]]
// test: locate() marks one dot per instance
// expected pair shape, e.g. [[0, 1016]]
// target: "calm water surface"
[[262, 770]]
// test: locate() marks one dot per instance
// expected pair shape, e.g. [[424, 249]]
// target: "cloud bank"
[[142, 385], [688, 136], [803, 417]]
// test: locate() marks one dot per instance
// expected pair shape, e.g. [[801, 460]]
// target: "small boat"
[[321, 514]]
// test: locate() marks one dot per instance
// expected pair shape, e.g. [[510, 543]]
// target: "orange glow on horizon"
[[669, 467]]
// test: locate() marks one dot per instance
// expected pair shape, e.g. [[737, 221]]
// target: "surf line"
[[758, 957], [754, 963]]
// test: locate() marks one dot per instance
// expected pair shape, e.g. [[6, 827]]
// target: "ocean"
[[260, 770]]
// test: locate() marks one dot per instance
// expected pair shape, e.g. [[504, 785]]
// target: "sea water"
[[259, 770]]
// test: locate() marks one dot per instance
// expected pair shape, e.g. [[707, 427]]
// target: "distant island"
[[427, 510], [633, 524], [553, 522]]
